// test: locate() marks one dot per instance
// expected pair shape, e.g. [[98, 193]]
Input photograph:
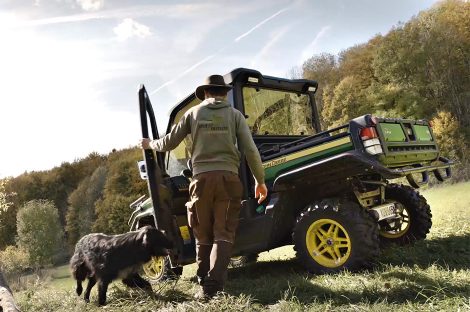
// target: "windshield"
[[177, 158], [274, 112]]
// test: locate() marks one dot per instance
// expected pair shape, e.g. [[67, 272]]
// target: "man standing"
[[216, 130]]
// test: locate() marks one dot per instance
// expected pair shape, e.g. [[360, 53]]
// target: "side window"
[[274, 112], [177, 158]]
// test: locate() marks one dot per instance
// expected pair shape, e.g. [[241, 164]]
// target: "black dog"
[[103, 258]]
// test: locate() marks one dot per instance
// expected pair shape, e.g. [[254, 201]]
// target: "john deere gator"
[[330, 191]]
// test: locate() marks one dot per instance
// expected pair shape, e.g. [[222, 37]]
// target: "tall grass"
[[432, 275]]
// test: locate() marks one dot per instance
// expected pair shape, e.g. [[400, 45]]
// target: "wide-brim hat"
[[213, 81]]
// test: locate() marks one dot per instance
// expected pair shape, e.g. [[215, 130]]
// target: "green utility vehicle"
[[329, 190]]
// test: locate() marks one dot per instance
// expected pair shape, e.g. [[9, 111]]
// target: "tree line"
[[420, 69], [43, 214]]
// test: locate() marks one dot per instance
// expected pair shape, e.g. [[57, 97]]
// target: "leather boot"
[[203, 253], [219, 261]]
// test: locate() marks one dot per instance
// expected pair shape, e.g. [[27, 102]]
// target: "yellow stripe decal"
[[309, 151]]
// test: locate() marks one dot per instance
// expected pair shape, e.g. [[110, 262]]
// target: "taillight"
[[371, 141], [368, 133]]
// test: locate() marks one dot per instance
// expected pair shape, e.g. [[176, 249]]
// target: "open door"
[[159, 194]]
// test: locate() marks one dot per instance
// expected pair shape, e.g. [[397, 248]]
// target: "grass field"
[[432, 275]]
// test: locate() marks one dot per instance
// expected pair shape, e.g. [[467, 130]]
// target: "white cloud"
[[130, 28], [312, 47], [91, 5]]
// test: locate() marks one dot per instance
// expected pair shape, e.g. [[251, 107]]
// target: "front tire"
[[331, 236], [415, 216], [159, 269]]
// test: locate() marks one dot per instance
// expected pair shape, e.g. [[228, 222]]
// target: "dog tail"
[[79, 271]]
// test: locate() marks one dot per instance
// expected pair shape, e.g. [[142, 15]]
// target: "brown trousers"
[[214, 208], [213, 213]]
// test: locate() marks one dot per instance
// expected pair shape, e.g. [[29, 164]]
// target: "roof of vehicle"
[[242, 75]]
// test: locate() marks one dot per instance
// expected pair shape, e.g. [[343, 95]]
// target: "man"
[[218, 132]]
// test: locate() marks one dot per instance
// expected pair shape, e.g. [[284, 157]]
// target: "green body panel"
[[272, 172], [422, 133], [392, 132], [407, 158], [401, 150]]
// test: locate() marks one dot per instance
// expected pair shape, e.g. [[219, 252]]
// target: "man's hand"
[[145, 143], [261, 192]]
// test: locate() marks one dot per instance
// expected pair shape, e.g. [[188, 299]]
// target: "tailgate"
[[406, 142]]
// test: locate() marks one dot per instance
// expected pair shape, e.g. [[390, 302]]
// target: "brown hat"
[[213, 81]]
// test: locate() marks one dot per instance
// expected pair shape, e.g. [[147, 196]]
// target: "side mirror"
[[142, 169]]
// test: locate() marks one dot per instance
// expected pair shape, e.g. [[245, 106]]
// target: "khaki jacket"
[[216, 129]]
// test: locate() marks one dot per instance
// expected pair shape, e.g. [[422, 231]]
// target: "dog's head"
[[154, 241]]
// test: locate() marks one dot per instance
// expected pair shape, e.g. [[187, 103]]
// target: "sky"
[[70, 69]]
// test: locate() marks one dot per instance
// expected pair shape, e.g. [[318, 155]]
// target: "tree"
[[324, 69], [39, 231], [7, 215], [81, 212], [451, 141], [344, 103], [113, 212], [4, 202], [123, 186]]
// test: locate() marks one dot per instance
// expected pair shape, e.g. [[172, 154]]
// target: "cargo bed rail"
[[291, 147]]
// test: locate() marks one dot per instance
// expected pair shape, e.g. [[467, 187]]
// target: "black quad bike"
[[329, 190]]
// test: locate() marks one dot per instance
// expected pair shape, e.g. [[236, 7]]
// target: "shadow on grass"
[[451, 252], [268, 282], [165, 293]]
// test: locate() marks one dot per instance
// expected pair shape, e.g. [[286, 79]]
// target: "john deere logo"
[[275, 162]]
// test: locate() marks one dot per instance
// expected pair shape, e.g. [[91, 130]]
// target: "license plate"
[[385, 211]]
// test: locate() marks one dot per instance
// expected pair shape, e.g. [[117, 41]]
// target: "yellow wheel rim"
[[328, 243], [155, 268], [404, 226]]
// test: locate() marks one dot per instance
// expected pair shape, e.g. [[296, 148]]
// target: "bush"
[[39, 231], [14, 260]]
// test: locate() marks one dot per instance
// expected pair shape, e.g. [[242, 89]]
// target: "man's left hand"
[[144, 143]]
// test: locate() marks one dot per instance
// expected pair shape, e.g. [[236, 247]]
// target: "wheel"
[[241, 261], [159, 269], [331, 236], [415, 216]]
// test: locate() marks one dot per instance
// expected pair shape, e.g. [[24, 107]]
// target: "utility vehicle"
[[329, 190]]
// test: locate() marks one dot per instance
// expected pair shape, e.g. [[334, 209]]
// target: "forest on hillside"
[[418, 70]]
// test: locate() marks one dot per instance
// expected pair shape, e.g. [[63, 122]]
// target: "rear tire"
[[416, 218], [331, 236]]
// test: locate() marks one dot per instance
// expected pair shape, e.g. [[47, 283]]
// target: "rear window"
[[274, 112]]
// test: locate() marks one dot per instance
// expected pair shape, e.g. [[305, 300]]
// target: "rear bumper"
[[442, 164]]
